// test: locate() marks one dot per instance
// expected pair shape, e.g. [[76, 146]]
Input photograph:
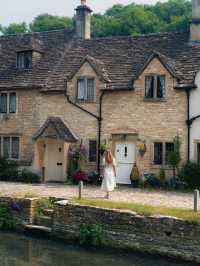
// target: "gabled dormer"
[[87, 79]]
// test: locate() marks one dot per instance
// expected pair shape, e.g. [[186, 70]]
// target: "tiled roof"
[[60, 129], [117, 60]]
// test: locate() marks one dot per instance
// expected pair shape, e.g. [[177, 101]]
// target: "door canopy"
[[55, 128]]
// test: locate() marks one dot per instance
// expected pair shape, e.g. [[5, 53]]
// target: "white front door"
[[54, 161], [125, 159]]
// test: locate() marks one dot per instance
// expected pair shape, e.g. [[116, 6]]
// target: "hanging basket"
[[142, 149]]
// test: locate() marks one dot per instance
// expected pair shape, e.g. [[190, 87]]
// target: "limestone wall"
[[156, 235]]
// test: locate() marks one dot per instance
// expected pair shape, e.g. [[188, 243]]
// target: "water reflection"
[[18, 250]]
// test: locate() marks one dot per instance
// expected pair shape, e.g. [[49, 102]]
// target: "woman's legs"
[[108, 195]]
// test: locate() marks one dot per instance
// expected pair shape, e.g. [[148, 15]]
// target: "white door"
[[54, 161], [125, 159]]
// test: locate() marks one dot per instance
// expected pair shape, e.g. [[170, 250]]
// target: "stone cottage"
[[130, 93]]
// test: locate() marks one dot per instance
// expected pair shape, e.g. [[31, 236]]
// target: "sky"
[[26, 10]]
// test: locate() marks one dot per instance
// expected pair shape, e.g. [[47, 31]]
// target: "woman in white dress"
[[109, 178]]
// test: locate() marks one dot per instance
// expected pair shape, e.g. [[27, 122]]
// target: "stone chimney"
[[83, 21], [195, 26]]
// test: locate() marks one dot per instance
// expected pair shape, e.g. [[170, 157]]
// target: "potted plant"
[[103, 148], [142, 148], [135, 176]]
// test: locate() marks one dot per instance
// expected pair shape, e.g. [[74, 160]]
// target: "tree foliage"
[[120, 20]]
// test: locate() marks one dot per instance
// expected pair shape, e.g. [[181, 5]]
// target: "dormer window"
[[85, 89], [155, 86], [24, 60]]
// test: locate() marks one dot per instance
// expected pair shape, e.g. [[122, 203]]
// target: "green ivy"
[[7, 220], [91, 234]]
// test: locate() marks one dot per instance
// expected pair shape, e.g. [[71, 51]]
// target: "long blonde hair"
[[109, 157]]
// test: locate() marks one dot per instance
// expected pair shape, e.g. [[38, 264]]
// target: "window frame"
[[155, 87], [10, 152], [18, 63], [164, 154], [8, 102], [85, 99], [89, 158]]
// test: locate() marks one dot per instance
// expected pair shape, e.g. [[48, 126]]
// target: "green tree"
[[46, 22], [14, 28]]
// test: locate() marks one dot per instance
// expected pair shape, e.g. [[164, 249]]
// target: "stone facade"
[[166, 236], [148, 120]]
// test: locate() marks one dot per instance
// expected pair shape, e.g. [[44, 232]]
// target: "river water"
[[20, 250]]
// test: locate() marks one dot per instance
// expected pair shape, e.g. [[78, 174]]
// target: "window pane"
[[80, 89], [149, 84], [12, 103], [158, 153], [15, 148], [160, 86], [92, 151], [6, 147], [24, 59], [20, 60], [28, 60], [198, 152], [169, 148], [90, 89], [3, 103]]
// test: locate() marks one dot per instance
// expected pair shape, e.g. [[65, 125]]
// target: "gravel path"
[[122, 194]]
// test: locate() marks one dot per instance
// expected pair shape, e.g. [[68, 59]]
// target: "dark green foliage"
[[9, 171], [175, 156], [91, 234], [190, 173], [28, 177], [7, 221], [46, 22], [14, 28], [120, 20]]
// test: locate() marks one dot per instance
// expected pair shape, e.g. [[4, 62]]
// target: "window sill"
[[157, 100], [158, 166], [85, 101]]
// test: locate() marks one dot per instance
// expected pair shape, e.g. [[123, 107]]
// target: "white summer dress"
[[109, 180]]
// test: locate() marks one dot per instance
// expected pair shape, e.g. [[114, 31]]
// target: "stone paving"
[[122, 194]]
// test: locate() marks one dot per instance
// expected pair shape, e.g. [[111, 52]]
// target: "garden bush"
[[7, 221], [9, 171], [91, 234], [190, 173]]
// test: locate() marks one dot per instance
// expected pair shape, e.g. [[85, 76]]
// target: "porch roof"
[[60, 129]]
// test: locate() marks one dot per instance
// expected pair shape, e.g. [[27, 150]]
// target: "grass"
[[145, 210]]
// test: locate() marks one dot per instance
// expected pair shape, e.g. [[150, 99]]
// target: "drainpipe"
[[189, 122], [98, 118]]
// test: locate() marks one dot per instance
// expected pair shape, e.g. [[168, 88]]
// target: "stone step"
[[44, 221], [48, 212], [38, 229]]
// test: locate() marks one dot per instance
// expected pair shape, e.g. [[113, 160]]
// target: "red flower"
[[80, 176]]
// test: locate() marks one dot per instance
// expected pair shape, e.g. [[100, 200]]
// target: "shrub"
[[28, 177], [91, 234], [94, 178], [152, 181], [8, 170], [162, 175], [7, 221], [190, 173]]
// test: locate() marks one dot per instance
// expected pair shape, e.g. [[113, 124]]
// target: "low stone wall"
[[23, 208], [156, 235]]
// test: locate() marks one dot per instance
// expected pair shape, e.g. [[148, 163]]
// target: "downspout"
[[189, 123], [98, 118], [100, 131]]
